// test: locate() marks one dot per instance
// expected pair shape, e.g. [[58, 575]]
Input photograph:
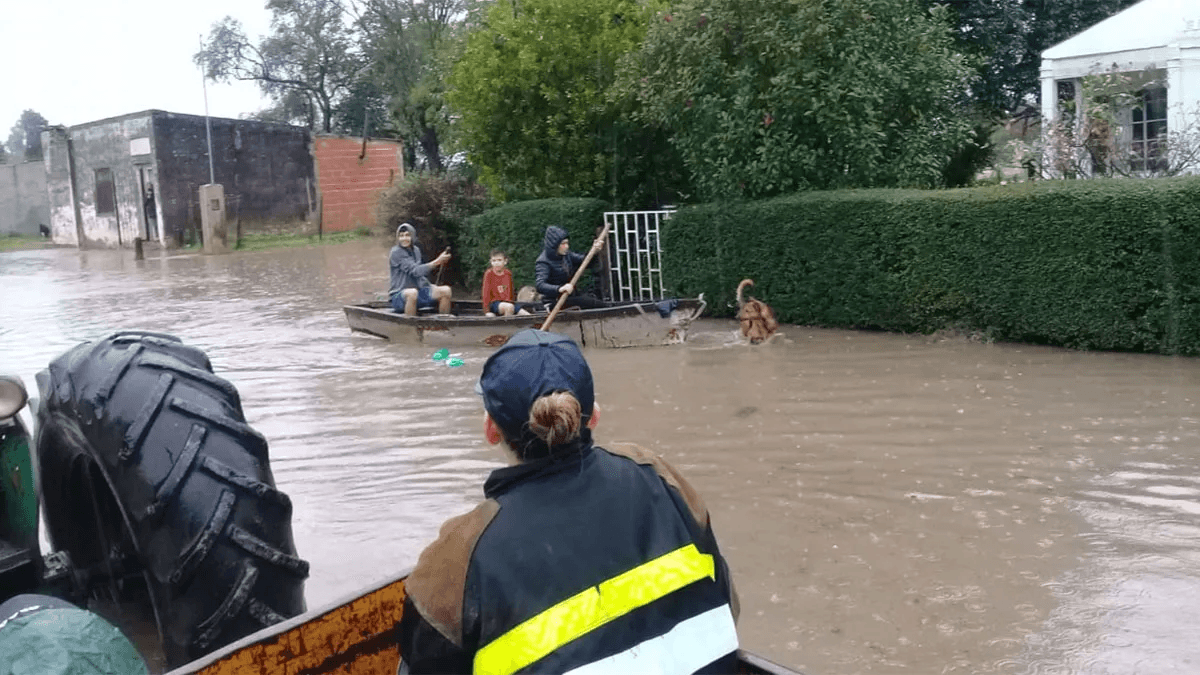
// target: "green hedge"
[[518, 230], [1103, 264]]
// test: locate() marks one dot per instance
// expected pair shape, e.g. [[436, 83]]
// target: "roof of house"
[[1148, 24], [154, 112]]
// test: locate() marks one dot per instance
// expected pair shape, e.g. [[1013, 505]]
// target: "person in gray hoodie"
[[410, 288], [555, 267]]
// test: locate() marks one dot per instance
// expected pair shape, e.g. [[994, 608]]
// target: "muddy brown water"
[[888, 503]]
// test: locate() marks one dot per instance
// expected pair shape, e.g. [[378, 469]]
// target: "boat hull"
[[355, 636], [633, 325]]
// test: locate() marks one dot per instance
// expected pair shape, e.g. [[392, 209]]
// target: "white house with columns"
[[1156, 40]]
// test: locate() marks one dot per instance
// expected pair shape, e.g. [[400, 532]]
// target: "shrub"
[[518, 230], [438, 207], [1107, 264]]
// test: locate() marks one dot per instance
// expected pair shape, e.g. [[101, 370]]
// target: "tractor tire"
[[151, 476]]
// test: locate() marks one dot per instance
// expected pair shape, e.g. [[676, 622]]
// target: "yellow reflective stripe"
[[586, 611]]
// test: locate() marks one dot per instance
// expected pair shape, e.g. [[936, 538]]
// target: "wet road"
[[888, 504]]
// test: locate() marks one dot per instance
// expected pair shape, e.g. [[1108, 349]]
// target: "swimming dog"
[[757, 320]]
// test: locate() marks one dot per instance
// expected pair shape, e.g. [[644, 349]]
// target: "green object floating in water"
[[454, 363], [441, 354]]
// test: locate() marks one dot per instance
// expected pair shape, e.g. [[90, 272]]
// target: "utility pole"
[[212, 176], [211, 196]]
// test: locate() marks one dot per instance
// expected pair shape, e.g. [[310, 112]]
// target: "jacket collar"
[[503, 480]]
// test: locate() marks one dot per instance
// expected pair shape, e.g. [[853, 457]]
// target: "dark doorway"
[[149, 203]]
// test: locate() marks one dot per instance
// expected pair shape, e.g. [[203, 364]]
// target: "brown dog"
[[756, 318]]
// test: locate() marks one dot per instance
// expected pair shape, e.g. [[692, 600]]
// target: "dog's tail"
[[745, 283]]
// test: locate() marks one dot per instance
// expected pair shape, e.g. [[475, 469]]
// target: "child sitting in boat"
[[498, 288]]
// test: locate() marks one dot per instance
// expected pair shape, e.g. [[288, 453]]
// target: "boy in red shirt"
[[498, 288]]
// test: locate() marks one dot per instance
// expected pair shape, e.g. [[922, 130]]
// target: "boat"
[[354, 636], [637, 324]]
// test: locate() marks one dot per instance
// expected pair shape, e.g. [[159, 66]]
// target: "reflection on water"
[[888, 503]]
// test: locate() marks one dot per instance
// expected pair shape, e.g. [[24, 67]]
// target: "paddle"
[[562, 297], [440, 268]]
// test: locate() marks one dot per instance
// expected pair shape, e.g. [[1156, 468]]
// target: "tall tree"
[[1009, 36], [1006, 39], [311, 54], [409, 46], [25, 137], [364, 112], [533, 88], [770, 96], [291, 107]]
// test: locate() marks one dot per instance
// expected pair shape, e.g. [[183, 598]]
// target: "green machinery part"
[[18, 494]]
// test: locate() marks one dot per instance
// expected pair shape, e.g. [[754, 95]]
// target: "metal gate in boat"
[[635, 255]]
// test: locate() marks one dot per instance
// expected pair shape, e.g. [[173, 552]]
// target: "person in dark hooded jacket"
[[555, 267]]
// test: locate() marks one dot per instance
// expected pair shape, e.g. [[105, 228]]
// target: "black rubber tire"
[[137, 435]]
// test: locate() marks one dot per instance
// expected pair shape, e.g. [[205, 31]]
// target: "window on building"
[[1150, 131], [106, 193], [1066, 99]]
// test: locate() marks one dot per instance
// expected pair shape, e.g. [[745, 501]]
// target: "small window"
[[106, 193], [1150, 131]]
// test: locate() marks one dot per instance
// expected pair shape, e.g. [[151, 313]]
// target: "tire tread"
[[211, 627], [117, 373], [261, 549], [205, 539], [243, 431], [154, 403], [179, 470], [201, 376], [228, 474]]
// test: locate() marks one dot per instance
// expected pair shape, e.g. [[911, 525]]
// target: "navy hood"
[[554, 237]]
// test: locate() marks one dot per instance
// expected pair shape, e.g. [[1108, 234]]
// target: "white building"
[[1157, 43]]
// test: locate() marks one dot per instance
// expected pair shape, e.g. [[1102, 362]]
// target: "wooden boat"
[[356, 636], [639, 324]]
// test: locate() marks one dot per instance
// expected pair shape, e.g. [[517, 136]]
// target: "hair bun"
[[556, 418]]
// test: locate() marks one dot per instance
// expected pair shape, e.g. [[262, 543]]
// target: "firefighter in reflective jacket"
[[581, 559]]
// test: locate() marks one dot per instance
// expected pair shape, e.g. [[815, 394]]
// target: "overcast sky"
[[76, 61]]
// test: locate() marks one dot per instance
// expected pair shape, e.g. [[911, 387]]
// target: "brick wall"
[[350, 183]]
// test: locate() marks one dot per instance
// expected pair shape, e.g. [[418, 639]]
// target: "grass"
[[250, 242], [259, 242], [21, 242]]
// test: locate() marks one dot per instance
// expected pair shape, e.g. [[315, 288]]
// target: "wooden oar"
[[440, 268], [562, 297]]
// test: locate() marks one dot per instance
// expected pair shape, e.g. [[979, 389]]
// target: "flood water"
[[887, 503]]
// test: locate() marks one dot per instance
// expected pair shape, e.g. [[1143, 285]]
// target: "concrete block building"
[[115, 180], [23, 204]]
